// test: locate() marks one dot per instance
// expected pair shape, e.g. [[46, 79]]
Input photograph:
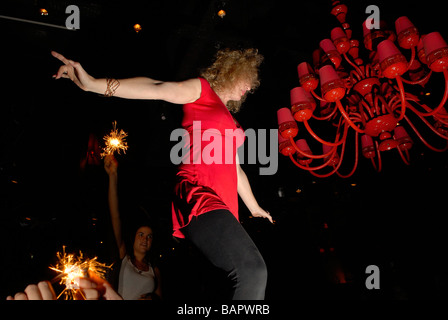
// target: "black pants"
[[223, 240]]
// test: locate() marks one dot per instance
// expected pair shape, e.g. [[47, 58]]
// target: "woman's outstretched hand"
[[261, 213], [74, 71]]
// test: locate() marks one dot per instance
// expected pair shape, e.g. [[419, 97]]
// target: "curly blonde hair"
[[233, 65]]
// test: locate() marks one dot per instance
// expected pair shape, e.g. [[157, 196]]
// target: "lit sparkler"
[[72, 267], [115, 141]]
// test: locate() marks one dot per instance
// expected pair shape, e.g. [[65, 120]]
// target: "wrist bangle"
[[112, 85]]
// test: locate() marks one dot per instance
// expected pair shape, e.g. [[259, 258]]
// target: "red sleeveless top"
[[206, 178]]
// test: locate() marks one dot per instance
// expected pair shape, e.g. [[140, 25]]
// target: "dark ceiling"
[[45, 126]]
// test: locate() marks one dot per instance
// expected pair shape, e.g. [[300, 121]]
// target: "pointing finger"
[[60, 57]]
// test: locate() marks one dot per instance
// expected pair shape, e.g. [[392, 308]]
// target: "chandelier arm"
[[365, 118], [442, 120], [430, 126], [426, 77], [323, 175], [311, 168], [422, 139], [347, 118], [367, 108], [336, 168], [358, 69], [380, 163], [312, 156], [383, 102], [315, 136], [393, 102], [317, 97], [356, 116], [354, 73], [356, 158], [402, 97], [440, 117], [406, 161], [442, 103], [326, 117], [412, 59], [375, 104], [408, 156], [367, 70], [374, 164]]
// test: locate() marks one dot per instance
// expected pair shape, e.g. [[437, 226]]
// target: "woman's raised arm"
[[133, 88]]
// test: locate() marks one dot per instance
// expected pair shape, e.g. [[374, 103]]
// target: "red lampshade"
[[326, 149], [332, 87], [408, 36], [421, 50], [354, 51], [339, 10], [392, 62], [436, 51], [287, 126], [302, 104], [402, 137], [340, 40], [368, 150], [370, 34], [303, 145], [307, 78], [284, 146], [417, 72], [330, 50]]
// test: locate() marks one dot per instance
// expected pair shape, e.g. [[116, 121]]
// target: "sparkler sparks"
[[115, 141], [72, 267]]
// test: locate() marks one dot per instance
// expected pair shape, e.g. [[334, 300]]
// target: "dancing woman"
[[205, 207]]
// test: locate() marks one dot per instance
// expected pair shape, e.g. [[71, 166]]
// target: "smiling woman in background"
[[138, 279]]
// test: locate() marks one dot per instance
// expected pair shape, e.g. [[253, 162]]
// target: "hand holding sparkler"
[[42, 291], [83, 280], [93, 288], [96, 288], [73, 269], [110, 164]]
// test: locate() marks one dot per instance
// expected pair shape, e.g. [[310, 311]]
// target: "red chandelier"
[[365, 97]]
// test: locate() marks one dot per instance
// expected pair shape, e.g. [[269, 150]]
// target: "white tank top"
[[132, 282]]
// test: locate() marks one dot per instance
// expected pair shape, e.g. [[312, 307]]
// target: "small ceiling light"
[[43, 12], [137, 27], [221, 13]]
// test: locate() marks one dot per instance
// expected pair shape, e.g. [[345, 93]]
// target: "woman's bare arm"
[[132, 88]]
